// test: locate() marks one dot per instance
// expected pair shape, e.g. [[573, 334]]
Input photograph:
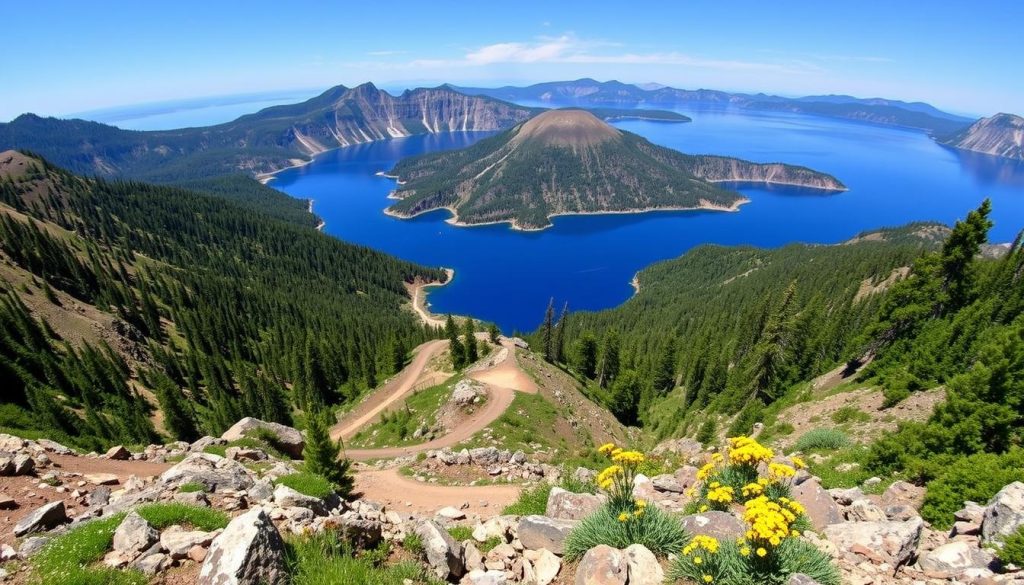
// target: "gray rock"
[[6, 466], [484, 455], [900, 512], [42, 519], [249, 552], [7, 553], [572, 506], [214, 472], [286, 497], [480, 577], [895, 541], [361, 533], [545, 565], [517, 458], [471, 557], [718, 525], [845, 497], [99, 496], [134, 535], [54, 447], [956, 556], [602, 565], [466, 392], [32, 545], [451, 513], [245, 454], [261, 491], [971, 512], [444, 555], [7, 502], [537, 532], [497, 527], [201, 444], [1004, 513], [153, 564], [821, 509], [193, 499], [667, 483], [642, 566], [23, 465], [801, 579], [176, 542], [118, 453], [903, 493], [864, 511], [289, 440]]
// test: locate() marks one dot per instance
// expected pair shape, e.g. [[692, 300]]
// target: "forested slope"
[[232, 312]]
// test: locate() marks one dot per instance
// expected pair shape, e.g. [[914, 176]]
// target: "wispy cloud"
[[568, 48], [386, 53]]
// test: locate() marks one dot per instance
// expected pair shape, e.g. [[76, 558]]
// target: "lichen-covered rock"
[[572, 506], [546, 565], [118, 453], [249, 552], [134, 535], [176, 541], [956, 556], [642, 566], [895, 542], [286, 497], [820, 508], [718, 525]]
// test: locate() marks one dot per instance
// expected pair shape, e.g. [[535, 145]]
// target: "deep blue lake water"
[[894, 177]]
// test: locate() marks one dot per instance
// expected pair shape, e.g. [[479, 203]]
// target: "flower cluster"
[[719, 495], [769, 522], [617, 479], [780, 471], [640, 508], [747, 451]]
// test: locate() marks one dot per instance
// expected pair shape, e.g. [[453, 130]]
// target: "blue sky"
[[73, 56]]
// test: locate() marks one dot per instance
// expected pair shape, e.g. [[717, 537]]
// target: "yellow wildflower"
[[745, 551], [780, 471], [703, 509], [798, 462], [721, 495], [752, 489], [628, 457], [708, 578], [623, 517], [761, 552], [747, 451], [606, 449]]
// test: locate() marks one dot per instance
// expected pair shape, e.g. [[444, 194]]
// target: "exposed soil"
[[392, 489]]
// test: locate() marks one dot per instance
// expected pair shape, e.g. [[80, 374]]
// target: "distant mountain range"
[[587, 92], [570, 162]]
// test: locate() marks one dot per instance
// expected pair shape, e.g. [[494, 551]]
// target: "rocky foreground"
[[871, 538]]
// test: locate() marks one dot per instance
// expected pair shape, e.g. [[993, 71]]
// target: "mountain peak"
[[567, 128]]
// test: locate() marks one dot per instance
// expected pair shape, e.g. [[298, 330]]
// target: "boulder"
[[718, 525], [23, 465], [571, 506], [496, 527], [668, 484], [245, 454], [286, 497], [443, 554], [602, 565], [472, 558], [360, 533], [954, 557], [450, 513], [7, 502], [261, 491], [545, 565], [642, 566], [118, 453], [152, 564], [895, 542], [686, 476], [249, 552], [99, 496], [214, 472], [1004, 513], [134, 535], [201, 444], [537, 532], [289, 440], [466, 392], [42, 519], [484, 455], [846, 496], [31, 545], [801, 579], [54, 447], [821, 509], [176, 541], [864, 511]]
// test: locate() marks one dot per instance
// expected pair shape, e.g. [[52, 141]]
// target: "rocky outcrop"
[[602, 565], [212, 471], [720, 169], [999, 135], [895, 542], [42, 519], [443, 554], [539, 532], [567, 505], [288, 440], [1005, 513], [249, 552]]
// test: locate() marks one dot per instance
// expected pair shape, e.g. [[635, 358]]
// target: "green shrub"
[[850, 414], [1013, 549], [323, 455], [822, 439], [309, 484], [324, 559], [68, 558], [163, 515], [660, 532], [531, 501], [413, 543], [707, 433], [976, 478]]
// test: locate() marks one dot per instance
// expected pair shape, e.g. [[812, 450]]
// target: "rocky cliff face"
[[720, 169], [365, 114], [1000, 135]]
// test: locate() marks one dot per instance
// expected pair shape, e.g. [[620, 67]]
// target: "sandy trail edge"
[[390, 488]]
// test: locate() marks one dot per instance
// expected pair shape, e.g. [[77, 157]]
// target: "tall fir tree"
[[664, 377], [455, 347], [559, 342], [609, 367], [586, 355], [472, 351], [323, 456], [547, 333]]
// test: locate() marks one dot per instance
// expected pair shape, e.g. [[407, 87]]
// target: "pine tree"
[[771, 354], [323, 455], [547, 337], [495, 334], [609, 367], [563, 322], [178, 417], [625, 399], [962, 245], [455, 347], [586, 355], [664, 376], [472, 353]]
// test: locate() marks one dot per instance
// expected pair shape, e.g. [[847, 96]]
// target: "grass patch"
[[68, 558], [191, 487], [398, 427], [413, 543], [822, 440], [324, 560], [850, 414], [530, 420], [163, 515], [461, 533], [533, 501], [308, 484], [660, 532]]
